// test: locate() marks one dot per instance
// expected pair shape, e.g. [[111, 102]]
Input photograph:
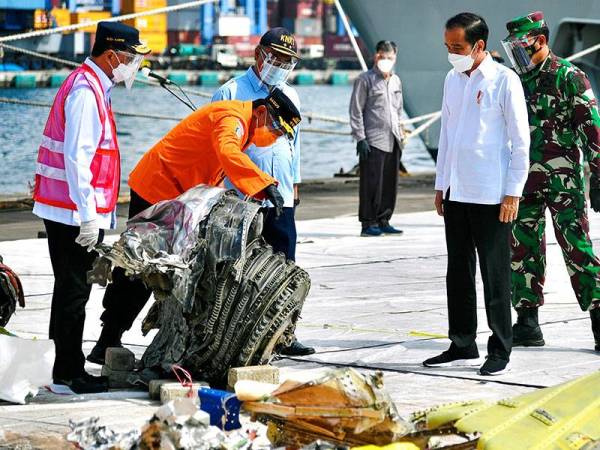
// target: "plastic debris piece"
[[25, 366]]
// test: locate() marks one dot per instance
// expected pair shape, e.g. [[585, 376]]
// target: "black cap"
[[118, 36], [283, 110], [280, 40]]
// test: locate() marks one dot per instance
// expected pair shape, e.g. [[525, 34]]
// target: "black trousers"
[[470, 228], [378, 186], [70, 264], [280, 232], [125, 297]]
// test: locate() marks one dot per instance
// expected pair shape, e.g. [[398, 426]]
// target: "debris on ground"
[[222, 297], [563, 416], [11, 293], [178, 424], [25, 367], [343, 407]]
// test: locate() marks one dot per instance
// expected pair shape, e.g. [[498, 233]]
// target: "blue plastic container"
[[222, 406]]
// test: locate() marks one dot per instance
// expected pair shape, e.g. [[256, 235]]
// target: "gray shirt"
[[375, 108]]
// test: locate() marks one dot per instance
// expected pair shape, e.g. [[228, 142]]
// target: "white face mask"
[[273, 71], [273, 75], [126, 73], [461, 63], [385, 65]]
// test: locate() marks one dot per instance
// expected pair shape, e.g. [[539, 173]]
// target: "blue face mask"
[[273, 75]]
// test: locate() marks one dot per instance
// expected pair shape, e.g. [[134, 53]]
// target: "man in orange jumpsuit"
[[204, 148]]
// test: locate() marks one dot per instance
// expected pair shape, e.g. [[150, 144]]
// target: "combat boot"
[[595, 316], [527, 331]]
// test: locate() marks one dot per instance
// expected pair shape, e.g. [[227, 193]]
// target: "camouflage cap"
[[520, 26]]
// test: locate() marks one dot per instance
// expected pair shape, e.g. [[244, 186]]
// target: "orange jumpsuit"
[[203, 148]]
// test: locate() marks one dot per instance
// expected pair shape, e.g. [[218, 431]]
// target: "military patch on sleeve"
[[239, 130]]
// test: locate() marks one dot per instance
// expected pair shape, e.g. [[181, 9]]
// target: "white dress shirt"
[[83, 130], [484, 141]]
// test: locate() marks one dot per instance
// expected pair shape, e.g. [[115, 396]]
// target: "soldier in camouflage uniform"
[[564, 122]]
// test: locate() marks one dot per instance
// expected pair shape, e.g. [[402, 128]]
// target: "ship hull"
[[418, 29]]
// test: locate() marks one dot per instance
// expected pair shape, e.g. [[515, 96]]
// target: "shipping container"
[[233, 26], [157, 41], [303, 27], [89, 16], [186, 19], [302, 9], [29, 5], [89, 5], [60, 17], [153, 23], [41, 19], [273, 14], [341, 47], [131, 6], [175, 37]]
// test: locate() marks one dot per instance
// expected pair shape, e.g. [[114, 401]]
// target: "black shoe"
[[494, 366], [372, 231], [388, 229], [527, 332], [109, 337], [297, 349], [595, 316], [455, 358], [85, 384]]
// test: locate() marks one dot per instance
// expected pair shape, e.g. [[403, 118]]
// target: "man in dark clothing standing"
[[375, 109]]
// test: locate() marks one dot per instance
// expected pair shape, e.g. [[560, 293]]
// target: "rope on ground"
[[412, 372], [76, 26]]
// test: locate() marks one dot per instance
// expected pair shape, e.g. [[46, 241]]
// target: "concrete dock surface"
[[375, 304]]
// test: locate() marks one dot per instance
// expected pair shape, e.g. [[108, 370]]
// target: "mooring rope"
[[76, 26], [308, 115]]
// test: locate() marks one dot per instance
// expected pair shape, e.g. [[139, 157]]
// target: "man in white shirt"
[[481, 170], [77, 183]]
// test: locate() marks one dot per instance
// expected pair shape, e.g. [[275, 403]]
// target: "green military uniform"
[[565, 126]]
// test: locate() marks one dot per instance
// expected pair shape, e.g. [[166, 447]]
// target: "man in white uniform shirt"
[[482, 167], [77, 183]]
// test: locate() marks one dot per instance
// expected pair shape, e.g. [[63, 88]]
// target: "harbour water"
[[322, 154]]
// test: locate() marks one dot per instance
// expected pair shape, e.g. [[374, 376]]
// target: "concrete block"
[[119, 358], [171, 391], [266, 374], [155, 385], [117, 379]]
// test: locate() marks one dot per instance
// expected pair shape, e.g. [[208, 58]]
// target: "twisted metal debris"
[[11, 293], [223, 298]]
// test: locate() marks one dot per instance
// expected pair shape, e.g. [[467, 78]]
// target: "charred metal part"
[[343, 407], [11, 293], [223, 297]]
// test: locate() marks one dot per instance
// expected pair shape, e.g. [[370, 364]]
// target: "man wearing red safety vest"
[[77, 182]]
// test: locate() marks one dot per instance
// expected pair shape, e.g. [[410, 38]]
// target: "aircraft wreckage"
[[223, 298]]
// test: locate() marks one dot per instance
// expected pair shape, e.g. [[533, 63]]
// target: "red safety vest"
[[51, 186]]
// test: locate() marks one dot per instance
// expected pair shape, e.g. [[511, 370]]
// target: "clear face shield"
[[520, 52], [273, 69], [126, 71]]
